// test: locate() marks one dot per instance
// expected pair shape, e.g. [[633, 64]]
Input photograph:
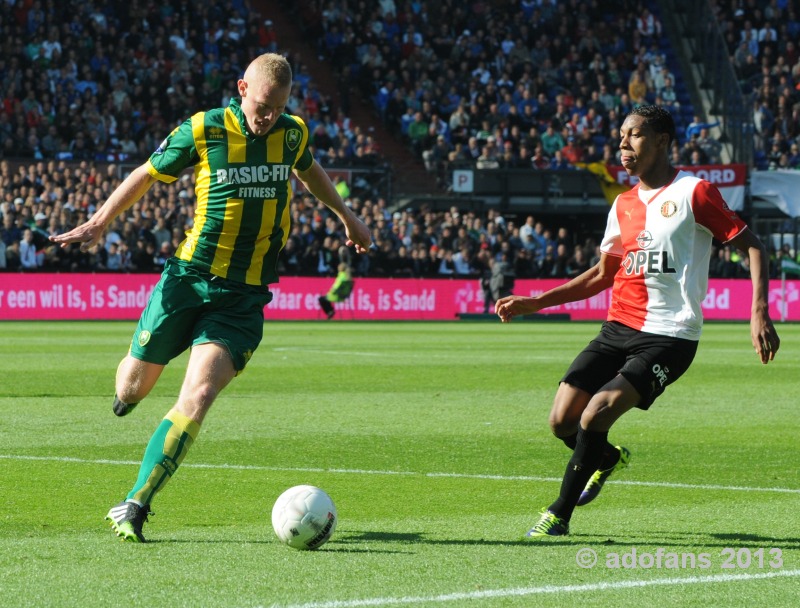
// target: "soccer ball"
[[304, 517]]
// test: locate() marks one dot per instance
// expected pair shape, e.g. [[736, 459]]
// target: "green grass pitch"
[[432, 439]]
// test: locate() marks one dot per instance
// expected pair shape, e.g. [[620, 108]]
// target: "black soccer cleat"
[[596, 481], [127, 519], [121, 408]]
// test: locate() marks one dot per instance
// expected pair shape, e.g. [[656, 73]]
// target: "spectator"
[[669, 96], [578, 263], [552, 141], [487, 159], [539, 160], [503, 277], [697, 125], [114, 261], [692, 153], [436, 157], [710, 146], [559, 163], [572, 152], [637, 88], [10, 233], [418, 134], [29, 258]]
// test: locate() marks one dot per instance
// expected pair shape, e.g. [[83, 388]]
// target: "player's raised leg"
[[135, 380], [210, 369]]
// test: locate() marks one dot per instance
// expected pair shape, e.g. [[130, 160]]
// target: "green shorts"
[[189, 307]]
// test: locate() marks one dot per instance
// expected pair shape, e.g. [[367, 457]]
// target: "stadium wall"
[[122, 297]]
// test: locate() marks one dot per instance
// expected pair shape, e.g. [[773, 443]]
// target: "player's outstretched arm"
[[320, 185], [762, 331], [127, 193], [586, 285]]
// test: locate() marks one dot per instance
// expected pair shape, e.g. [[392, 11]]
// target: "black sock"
[[571, 440], [325, 305], [121, 408], [610, 457], [586, 459]]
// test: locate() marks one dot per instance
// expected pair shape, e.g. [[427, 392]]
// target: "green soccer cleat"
[[548, 525], [595, 483], [127, 519]]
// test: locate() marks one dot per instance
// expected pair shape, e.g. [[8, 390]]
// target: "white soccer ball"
[[304, 517]]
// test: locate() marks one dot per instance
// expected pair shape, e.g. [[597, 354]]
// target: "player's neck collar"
[[659, 184]]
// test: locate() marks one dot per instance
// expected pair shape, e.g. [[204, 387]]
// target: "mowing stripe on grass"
[[256, 467], [546, 589], [318, 351]]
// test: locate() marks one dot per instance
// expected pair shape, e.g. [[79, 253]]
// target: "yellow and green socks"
[[164, 453]]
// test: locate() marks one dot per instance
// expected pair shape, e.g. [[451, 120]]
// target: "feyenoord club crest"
[[293, 137], [668, 209]]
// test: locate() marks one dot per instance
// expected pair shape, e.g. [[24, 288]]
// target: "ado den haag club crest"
[[293, 137]]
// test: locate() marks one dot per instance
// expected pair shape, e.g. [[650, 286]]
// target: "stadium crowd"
[[534, 83], [50, 197], [762, 40], [85, 84]]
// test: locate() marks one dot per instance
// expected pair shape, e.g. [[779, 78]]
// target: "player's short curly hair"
[[658, 118]]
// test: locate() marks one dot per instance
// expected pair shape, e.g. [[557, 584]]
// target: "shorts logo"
[[293, 137], [668, 209], [661, 374], [144, 337]]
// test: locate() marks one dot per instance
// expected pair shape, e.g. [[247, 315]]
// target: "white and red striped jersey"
[[664, 238]]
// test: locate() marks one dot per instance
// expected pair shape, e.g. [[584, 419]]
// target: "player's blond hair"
[[270, 68]]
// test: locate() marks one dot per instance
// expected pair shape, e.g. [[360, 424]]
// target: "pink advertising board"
[[122, 296]]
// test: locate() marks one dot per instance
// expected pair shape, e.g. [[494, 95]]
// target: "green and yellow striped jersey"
[[243, 189]]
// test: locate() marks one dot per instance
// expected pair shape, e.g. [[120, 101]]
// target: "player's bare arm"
[[598, 278], [127, 193], [762, 331], [320, 185]]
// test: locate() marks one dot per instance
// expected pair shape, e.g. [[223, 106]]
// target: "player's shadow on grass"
[[208, 541], [671, 538], [419, 538], [755, 539], [333, 547]]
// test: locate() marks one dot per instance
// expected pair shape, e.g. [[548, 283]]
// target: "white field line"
[[546, 589], [253, 467]]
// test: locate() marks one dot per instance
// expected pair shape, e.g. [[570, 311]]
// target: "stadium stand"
[[762, 41], [91, 88], [439, 74]]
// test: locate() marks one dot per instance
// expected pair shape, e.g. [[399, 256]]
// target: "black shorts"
[[648, 361]]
